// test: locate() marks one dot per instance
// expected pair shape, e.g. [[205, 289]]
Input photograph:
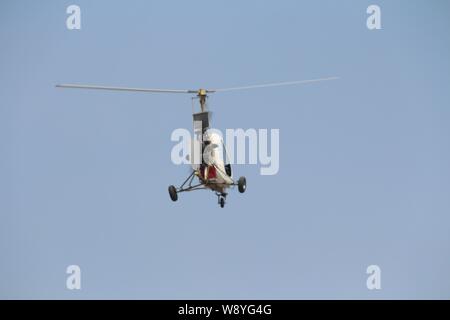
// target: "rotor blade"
[[277, 84], [82, 86]]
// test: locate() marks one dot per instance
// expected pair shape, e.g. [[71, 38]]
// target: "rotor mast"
[[201, 94]]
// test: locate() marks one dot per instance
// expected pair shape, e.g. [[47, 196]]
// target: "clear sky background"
[[364, 161]]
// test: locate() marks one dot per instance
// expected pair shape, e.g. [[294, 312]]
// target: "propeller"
[[86, 86], [201, 93], [275, 84]]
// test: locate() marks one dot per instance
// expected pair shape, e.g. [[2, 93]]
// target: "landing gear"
[[219, 187], [242, 184], [221, 199], [186, 186], [173, 193]]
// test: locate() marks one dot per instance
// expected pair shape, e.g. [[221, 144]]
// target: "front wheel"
[[242, 184]]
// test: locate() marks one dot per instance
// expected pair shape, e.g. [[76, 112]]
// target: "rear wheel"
[[173, 193], [222, 202], [242, 184]]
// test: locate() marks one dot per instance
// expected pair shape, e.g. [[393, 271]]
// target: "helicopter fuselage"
[[214, 172]]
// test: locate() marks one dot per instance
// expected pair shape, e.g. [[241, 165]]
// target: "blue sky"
[[364, 161]]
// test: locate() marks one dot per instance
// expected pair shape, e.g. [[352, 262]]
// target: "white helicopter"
[[214, 171]]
